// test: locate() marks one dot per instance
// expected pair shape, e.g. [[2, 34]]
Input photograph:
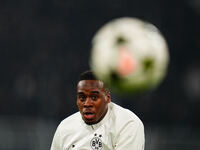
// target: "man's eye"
[[82, 97], [94, 97]]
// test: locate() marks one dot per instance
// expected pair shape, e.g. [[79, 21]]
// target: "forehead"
[[90, 85]]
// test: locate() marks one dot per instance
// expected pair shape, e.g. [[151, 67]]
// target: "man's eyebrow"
[[80, 93], [94, 92]]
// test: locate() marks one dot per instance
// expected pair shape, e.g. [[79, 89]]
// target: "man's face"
[[92, 100]]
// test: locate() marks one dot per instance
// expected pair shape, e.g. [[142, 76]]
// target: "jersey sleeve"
[[55, 145], [131, 137]]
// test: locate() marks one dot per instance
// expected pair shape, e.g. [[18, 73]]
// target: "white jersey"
[[120, 129]]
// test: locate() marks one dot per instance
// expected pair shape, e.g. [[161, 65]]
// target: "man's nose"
[[88, 103]]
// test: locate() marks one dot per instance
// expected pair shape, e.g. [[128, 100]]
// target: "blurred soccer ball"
[[129, 55]]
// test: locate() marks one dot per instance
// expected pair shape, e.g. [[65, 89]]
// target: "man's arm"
[[131, 137], [56, 140]]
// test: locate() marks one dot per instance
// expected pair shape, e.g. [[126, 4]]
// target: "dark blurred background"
[[45, 45]]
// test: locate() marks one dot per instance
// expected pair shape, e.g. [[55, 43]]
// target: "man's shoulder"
[[73, 117], [71, 121], [124, 115]]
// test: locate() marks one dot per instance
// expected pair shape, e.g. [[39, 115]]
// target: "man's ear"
[[108, 97], [107, 94]]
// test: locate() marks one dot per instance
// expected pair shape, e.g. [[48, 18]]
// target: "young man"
[[100, 124]]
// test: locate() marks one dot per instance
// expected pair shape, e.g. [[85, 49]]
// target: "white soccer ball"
[[129, 55]]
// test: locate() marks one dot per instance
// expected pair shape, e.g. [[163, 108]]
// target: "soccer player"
[[100, 124]]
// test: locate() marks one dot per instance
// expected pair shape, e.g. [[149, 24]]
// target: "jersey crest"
[[96, 142]]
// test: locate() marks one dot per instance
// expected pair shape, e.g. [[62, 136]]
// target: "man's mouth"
[[88, 115]]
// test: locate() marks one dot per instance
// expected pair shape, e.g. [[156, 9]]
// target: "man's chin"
[[89, 121]]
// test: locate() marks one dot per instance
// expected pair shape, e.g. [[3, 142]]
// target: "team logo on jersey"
[[96, 142]]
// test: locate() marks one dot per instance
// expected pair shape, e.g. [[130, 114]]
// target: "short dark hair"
[[87, 75]]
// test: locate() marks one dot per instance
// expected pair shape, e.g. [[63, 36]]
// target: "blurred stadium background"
[[44, 45]]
